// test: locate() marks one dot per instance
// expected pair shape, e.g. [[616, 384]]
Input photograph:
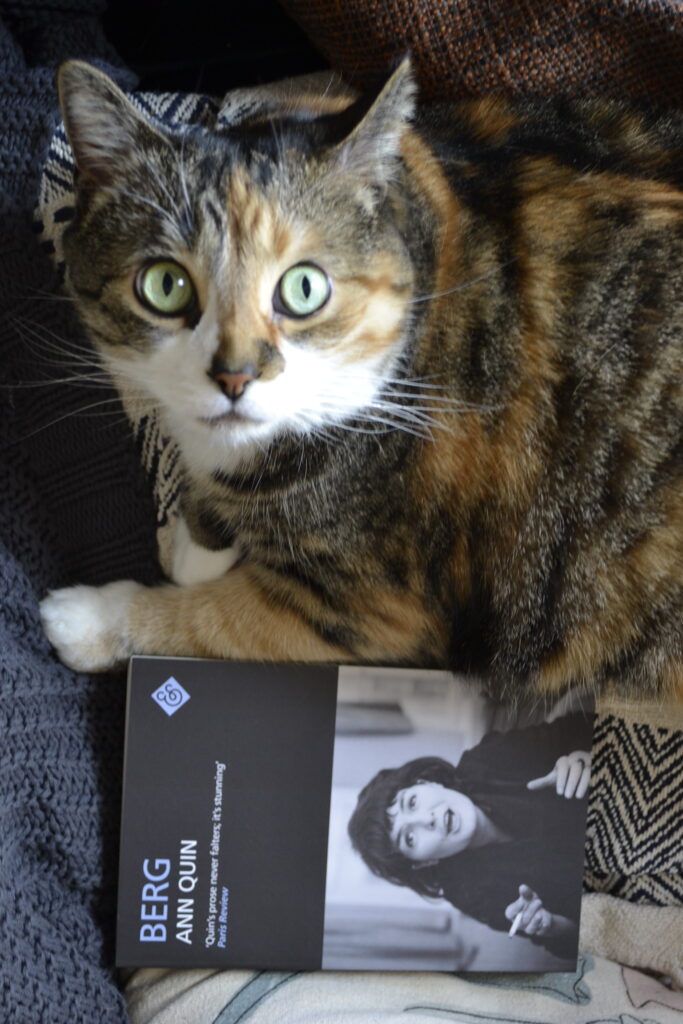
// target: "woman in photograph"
[[500, 835]]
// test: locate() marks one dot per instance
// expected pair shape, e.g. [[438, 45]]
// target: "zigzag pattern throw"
[[634, 846]]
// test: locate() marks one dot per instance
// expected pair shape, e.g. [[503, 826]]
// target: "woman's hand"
[[534, 919], [570, 776]]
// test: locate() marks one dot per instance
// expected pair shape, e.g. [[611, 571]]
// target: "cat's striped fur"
[[471, 455]]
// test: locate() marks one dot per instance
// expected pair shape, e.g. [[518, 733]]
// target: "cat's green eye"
[[302, 290], [166, 288]]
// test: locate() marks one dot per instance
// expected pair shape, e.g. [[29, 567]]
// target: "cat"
[[423, 364]]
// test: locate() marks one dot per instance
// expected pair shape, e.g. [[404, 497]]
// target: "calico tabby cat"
[[424, 366]]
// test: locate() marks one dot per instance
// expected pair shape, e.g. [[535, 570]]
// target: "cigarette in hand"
[[515, 924]]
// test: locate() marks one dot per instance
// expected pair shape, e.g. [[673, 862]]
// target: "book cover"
[[305, 817]]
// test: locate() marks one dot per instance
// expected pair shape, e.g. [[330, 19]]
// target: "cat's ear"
[[103, 126], [373, 142]]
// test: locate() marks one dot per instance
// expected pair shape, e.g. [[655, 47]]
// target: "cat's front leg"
[[95, 629], [192, 563], [89, 626]]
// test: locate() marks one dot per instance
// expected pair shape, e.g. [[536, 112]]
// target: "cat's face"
[[251, 283]]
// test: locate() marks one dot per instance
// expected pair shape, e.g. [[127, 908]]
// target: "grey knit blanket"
[[74, 504]]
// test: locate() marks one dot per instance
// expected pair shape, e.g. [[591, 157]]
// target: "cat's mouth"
[[229, 417]]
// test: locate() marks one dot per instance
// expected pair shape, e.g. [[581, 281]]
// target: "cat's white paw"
[[191, 563], [88, 625]]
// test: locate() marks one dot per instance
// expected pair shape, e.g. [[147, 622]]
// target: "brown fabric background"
[[471, 47]]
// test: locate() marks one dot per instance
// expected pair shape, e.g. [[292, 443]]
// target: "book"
[[299, 817]]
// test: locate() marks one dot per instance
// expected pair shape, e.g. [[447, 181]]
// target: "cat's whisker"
[[86, 382], [391, 426], [41, 328], [69, 353], [416, 382], [402, 419], [34, 332], [419, 383], [413, 409], [405, 423], [441, 402], [38, 326], [88, 372], [426, 381], [401, 416], [348, 376], [444, 400], [316, 429], [462, 286], [114, 416], [82, 370], [325, 436], [46, 296], [424, 416], [455, 405], [51, 341]]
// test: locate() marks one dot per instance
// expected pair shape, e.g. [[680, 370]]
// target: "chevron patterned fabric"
[[634, 846]]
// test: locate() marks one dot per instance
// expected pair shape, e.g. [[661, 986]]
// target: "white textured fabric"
[[634, 935], [600, 991]]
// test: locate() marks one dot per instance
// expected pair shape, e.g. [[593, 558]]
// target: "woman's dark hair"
[[370, 826]]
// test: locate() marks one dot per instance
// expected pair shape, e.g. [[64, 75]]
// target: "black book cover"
[[240, 780]]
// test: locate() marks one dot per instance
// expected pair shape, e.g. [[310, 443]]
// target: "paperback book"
[[303, 817]]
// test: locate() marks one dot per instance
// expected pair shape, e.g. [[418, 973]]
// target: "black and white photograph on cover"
[[456, 827]]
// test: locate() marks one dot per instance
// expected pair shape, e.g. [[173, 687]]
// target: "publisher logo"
[[171, 696]]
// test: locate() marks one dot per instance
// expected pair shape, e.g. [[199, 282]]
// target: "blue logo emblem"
[[171, 696]]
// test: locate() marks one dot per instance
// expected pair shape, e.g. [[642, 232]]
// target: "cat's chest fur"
[[424, 365]]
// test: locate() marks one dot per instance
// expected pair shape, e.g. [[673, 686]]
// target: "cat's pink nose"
[[233, 384]]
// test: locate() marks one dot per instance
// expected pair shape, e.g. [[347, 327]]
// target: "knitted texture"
[[591, 47], [73, 505]]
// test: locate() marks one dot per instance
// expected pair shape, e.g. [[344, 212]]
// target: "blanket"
[[64, 475], [598, 992]]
